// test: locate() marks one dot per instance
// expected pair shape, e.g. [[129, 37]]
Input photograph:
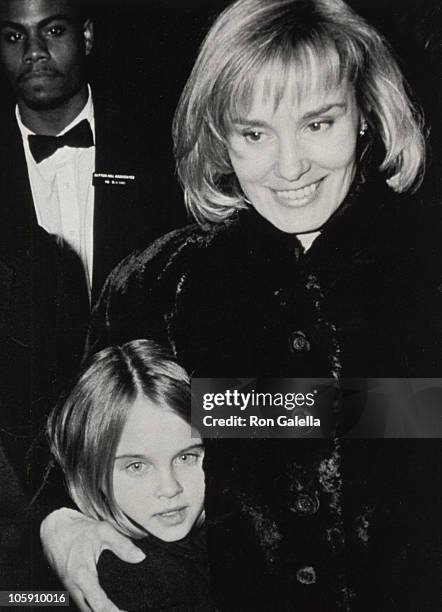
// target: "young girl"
[[130, 457]]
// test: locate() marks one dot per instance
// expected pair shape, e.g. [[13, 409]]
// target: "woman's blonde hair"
[[278, 38], [85, 427]]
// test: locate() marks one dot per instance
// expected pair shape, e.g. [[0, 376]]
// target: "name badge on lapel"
[[109, 178]]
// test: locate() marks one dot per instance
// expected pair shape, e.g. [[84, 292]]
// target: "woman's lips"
[[300, 196]]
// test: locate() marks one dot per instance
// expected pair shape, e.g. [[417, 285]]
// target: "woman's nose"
[[292, 162], [168, 485], [36, 49]]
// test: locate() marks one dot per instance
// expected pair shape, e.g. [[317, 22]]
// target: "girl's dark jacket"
[[307, 525], [173, 577]]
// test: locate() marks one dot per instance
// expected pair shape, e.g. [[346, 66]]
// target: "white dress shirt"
[[62, 190]]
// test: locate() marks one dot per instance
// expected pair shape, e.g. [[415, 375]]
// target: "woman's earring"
[[363, 129]]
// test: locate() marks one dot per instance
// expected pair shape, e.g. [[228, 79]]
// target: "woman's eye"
[[253, 136], [319, 126]]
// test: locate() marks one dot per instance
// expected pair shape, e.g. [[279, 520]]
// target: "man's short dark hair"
[[85, 9]]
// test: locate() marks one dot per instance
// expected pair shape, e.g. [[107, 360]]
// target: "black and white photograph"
[[221, 305]]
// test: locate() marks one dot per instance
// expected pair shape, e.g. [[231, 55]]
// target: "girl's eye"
[[319, 126], [137, 467], [187, 459]]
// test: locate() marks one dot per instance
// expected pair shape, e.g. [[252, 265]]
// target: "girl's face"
[[295, 163], [158, 477]]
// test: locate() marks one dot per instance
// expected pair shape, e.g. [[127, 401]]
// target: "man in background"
[[75, 165]]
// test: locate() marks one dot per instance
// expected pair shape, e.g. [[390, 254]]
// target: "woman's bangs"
[[237, 102], [295, 71], [313, 67]]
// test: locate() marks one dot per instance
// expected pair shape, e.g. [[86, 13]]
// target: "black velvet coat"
[[305, 525]]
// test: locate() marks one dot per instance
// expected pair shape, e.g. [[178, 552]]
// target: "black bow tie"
[[80, 136]]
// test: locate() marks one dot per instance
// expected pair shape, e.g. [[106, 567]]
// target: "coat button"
[[306, 575], [305, 504], [299, 342]]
